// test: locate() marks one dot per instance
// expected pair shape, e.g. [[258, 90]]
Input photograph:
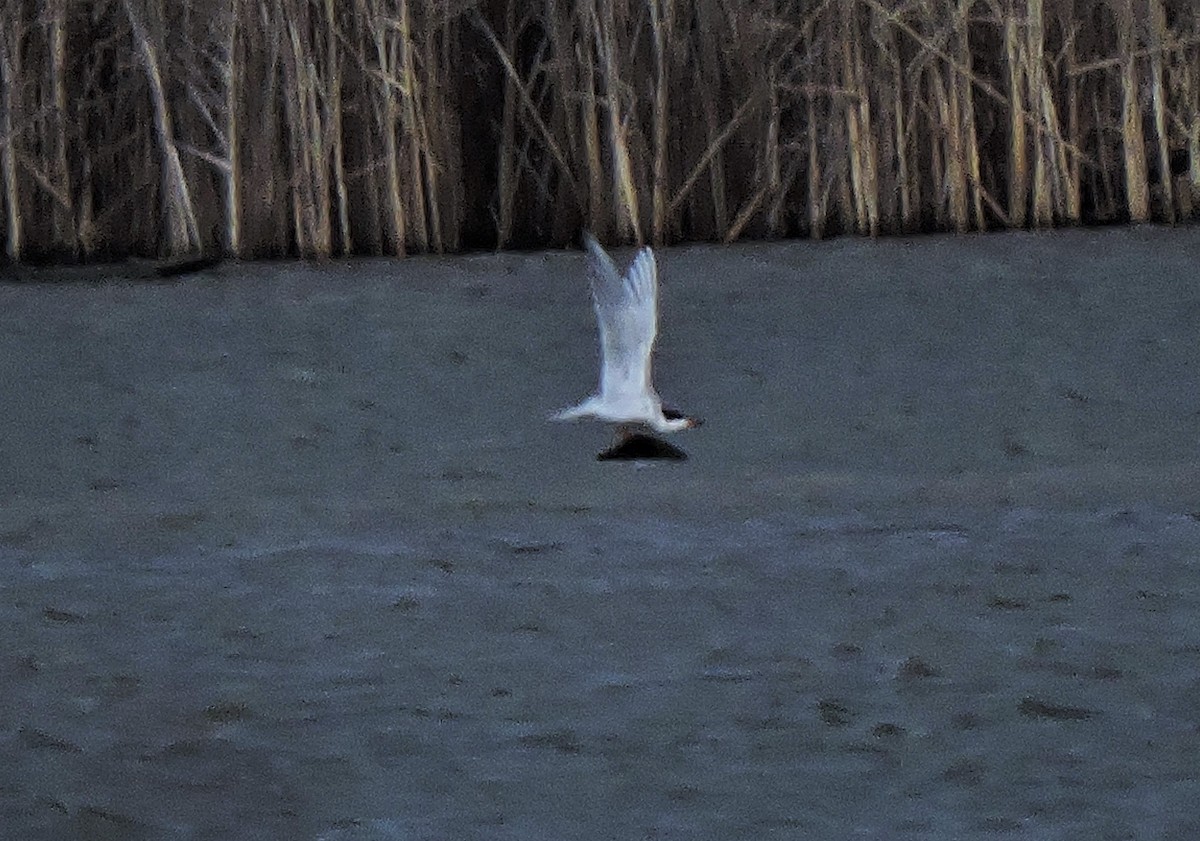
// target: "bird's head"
[[678, 420]]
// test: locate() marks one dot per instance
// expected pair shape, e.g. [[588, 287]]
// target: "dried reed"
[[312, 127]]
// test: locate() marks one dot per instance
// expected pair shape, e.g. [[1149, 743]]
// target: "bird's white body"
[[627, 314]]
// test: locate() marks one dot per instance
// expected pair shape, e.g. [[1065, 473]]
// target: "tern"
[[627, 313]]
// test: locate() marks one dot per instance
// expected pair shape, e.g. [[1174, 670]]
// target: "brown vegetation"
[[327, 127]]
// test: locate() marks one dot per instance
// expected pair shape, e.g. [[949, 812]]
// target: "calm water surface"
[[291, 551]]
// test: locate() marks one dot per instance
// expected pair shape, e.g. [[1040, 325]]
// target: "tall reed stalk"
[[319, 128]]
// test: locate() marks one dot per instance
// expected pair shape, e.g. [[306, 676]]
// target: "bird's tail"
[[571, 414]]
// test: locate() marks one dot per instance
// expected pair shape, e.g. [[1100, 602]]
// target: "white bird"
[[627, 312]]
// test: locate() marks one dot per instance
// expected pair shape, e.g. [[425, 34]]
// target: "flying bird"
[[627, 313]]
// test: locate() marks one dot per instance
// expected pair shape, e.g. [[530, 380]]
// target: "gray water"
[[291, 551]]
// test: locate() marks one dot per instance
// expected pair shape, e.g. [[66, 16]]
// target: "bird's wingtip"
[[590, 243]]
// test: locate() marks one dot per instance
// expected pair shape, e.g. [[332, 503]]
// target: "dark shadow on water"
[[641, 447]]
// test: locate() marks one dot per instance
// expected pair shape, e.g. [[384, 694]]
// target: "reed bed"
[[331, 127]]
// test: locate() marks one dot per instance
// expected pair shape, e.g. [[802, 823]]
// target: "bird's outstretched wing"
[[627, 312]]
